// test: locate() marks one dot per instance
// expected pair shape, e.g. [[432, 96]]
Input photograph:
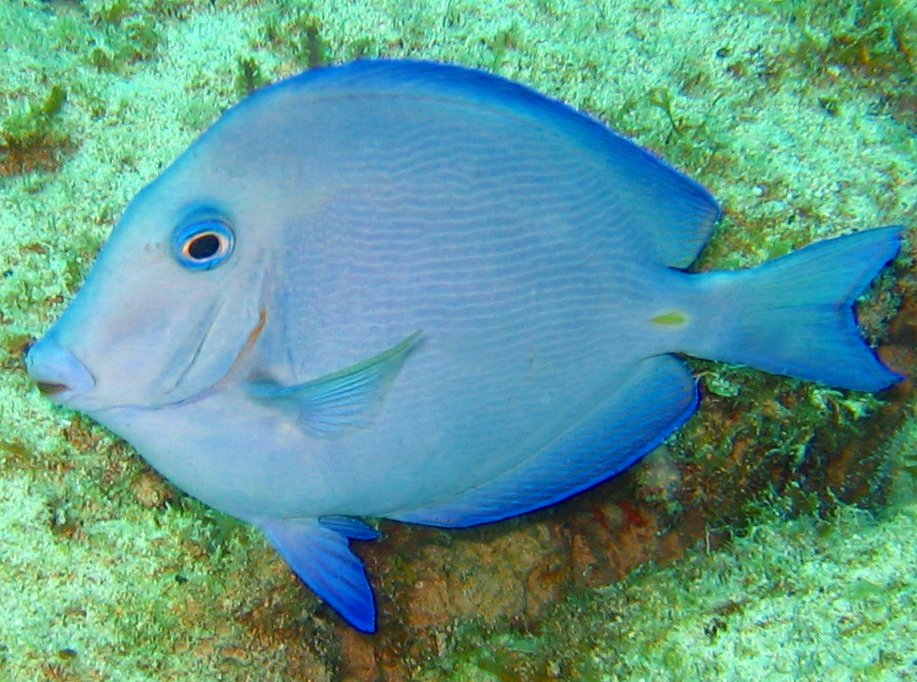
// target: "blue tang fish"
[[421, 292]]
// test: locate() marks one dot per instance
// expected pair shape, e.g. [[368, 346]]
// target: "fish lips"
[[58, 373]]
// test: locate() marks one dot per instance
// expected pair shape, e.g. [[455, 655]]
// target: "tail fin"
[[794, 315]]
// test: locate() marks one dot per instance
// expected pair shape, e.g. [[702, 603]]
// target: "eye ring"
[[203, 245]]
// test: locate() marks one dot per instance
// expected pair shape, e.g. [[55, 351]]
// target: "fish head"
[[172, 305], [180, 293]]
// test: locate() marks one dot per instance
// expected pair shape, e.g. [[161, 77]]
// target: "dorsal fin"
[[676, 214]]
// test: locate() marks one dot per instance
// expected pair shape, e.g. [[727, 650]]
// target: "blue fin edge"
[[318, 552], [513, 493]]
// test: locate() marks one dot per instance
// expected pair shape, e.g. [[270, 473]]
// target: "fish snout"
[[58, 373]]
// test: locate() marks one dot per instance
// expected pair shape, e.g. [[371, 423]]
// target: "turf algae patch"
[[874, 41], [30, 137], [901, 459]]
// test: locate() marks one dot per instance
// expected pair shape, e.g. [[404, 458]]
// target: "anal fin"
[[635, 417]]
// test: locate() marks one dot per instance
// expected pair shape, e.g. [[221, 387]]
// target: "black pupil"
[[204, 246]]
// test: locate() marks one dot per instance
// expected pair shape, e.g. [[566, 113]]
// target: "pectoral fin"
[[339, 402]]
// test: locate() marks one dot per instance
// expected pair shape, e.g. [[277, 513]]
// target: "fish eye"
[[203, 245]]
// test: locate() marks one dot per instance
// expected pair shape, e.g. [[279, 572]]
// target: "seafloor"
[[771, 539]]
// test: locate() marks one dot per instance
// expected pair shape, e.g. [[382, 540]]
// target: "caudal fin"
[[794, 315]]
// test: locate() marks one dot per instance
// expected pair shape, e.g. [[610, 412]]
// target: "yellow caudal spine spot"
[[674, 318]]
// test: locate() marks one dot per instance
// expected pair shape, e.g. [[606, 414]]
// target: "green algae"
[[30, 137], [900, 455], [112, 574], [795, 601]]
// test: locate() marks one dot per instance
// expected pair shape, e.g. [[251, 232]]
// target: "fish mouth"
[[50, 389], [57, 372]]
